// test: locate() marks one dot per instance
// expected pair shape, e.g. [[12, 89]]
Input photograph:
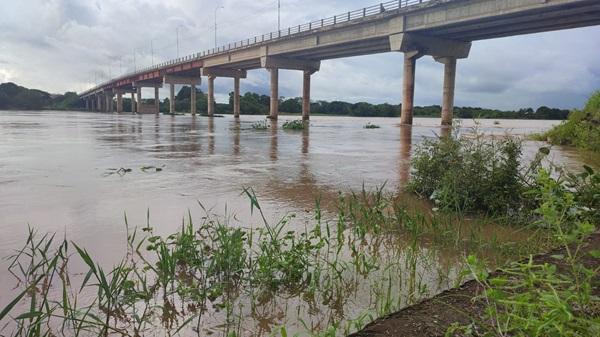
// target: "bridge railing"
[[283, 34]]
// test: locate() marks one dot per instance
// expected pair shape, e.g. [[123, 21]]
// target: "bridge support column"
[[449, 84], [274, 110], [236, 97], [110, 103], [408, 87], [211, 95], [274, 63], [119, 102], [193, 109], [306, 95], [87, 104], [156, 101], [172, 98], [98, 103], [236, 74], [133, 107], [139, 100]]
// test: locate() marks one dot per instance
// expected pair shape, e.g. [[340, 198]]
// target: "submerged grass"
[[180, 282]]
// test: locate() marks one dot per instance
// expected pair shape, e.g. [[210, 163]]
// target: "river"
[[59, 170]]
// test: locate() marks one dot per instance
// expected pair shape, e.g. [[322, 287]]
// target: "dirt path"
[[433, 316]]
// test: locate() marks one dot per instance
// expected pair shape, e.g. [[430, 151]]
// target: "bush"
[[294, 125], [582, 130], [546, 299], [469, 174], [260, 125]]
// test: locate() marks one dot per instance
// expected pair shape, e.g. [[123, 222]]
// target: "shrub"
[[371, 126], [581, 130], [469, 174], [294, 125], [260, 125], [545, 299]]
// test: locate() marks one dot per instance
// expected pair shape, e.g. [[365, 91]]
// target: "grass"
[[181, 281]]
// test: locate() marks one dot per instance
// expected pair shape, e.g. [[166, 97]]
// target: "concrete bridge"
[[443, 29]]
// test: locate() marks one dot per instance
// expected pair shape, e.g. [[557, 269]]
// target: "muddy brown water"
[[58, 174]]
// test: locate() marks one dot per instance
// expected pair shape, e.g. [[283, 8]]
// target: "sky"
[[68, 45]]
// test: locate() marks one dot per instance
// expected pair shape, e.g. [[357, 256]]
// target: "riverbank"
[[463, 305]]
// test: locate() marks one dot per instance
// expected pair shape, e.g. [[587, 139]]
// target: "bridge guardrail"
[[281, 34]]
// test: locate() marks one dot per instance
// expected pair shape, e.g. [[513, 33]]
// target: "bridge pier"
[[236, 97], [274, 63], [139, 99], [193, 109], [156, 100], [236, 74], [98, 103], [448, 92], [171, 98], [133, 103], [274, 107], [306, 95], [211, 96], [119, 102], [446, 51], [408, 87]]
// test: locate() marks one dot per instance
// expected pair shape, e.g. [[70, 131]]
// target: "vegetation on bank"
[[14, 97], [581, 130]]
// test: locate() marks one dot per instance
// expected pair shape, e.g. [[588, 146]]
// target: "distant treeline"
[[255, 104], [14, 97]]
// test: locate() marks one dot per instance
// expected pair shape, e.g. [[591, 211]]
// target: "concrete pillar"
[[172, 98], [119, 102], [193, 99], [133, 107], [211, 95], [306, 96], [448, 95], [139, 100], [408, 87], [274, 111], [156, 101], [236, 97], [87, 104], [98, 103], [111, 105]]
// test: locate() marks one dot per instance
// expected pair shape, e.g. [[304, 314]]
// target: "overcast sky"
[[58, 45]]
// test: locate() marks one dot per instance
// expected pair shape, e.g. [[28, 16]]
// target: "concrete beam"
[[221, 72], [429, 45], [275, 62], [144, 84], [187, 80]]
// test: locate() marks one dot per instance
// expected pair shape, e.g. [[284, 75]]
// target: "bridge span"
[[443, 29]]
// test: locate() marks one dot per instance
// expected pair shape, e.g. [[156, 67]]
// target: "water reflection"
[[273, 154]]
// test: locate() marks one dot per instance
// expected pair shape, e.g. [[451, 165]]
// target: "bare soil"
[[432, 317]]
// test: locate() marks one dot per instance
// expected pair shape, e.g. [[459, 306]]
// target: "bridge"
[[443, 29]]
